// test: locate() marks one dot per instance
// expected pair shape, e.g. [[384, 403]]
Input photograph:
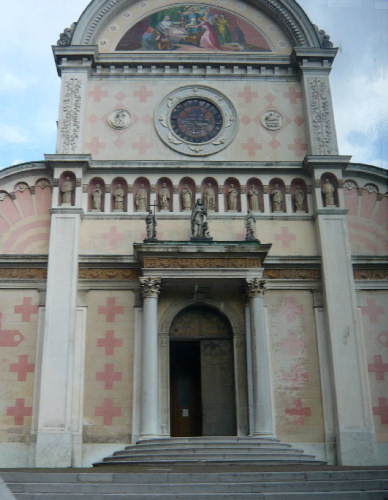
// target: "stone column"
[[263, 424], [150, 425]]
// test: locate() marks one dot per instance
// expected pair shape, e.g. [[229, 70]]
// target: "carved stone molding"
[[201, 263], [72, 101], [90, 273], [164, 340], [370, 274], [292, 274], [150, 287], [321, 119], [256, 287], [65, 37], [84, 188], [22, 273]]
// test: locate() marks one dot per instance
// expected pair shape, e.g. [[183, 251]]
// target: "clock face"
[[196, 120]]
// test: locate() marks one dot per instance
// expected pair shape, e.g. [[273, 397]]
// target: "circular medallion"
[[272, 120], [119, 119], [196, 121]]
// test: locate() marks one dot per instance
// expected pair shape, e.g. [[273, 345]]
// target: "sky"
[[29, 85]]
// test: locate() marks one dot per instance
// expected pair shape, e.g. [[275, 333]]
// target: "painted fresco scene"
[[194, 28]]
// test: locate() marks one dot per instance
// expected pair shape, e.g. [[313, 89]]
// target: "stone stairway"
[[292, 483]]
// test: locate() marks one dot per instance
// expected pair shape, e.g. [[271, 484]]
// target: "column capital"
[[256, 287], [150, 287]]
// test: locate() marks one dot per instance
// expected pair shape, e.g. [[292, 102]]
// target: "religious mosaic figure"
[[186, 198], [118, 196], [277, 198], [209, 198], [250, 226], [96, 198], [141, 199], [253, 196], [199, 225], [151, 226], [299, 199], [67, 189], [164, 197], [232, 198], [328, 193]]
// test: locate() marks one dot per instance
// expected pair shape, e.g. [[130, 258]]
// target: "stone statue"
[[118, 196], [199, 225], [96, 198], [151, 226], [141, 199], [164, 197], [186, 198], [253, 195], [250, 226], [299, 199], [277, 198], [67, 189], [209, 198], [328, 193], [232, 198]]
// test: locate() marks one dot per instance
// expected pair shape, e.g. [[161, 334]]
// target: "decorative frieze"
[[201, 263], [150, 287], [370, 274], [292, 274], [71, 109], [90, 273], [22, 273], [256, 287]]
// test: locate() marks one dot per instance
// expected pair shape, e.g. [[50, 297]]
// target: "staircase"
[[226, 450], [292, 483]]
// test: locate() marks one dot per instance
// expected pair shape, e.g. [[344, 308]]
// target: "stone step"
[[226, 450], [215, 446]]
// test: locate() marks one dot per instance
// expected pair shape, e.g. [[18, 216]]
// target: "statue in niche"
[[118, 196], [232, 198], [328, 193], [253, 196], [199, 225], [67, 189], [209, 198], [151, 226], [277, 198], [186, 197], [250, 226], [164, 197], [141, 199], [96, 198], [299, 199]]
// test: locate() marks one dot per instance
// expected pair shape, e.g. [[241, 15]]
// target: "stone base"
[[355, 448], [53, 449]]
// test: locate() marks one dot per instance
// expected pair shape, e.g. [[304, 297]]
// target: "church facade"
[[205, 319]]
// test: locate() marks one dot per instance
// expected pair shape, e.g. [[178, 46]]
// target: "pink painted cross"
[[109, 342], [298, 147], [143, 145], [26, 309], [293, 95], [285, 237], [382, 410], [379, 368], [290, 309], [97, 93], [247, 94], [298, 411], [113, 237], [110, 310], [372, 310], [108, 411], [22, 367], [108, 376], [295, 377], [19, 411], [251, 146], [95, 145], [293, 343], [9, 338], [143, 93]]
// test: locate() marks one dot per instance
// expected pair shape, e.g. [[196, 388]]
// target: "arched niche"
[[141, 194], [232, 195], [299, 196], [209, 194], [277, 195], [186, 184], [329, 190], [96, 195], [164, 194], [66, 189], [254, 192], [119, 195]]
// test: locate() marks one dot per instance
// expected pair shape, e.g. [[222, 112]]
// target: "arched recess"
[[96, 195], [277, 195], [299, 195], [68, 177], [184, 184], [239, 356], [254, 192], [119, 195], [329, 183], [232, 195], [209, 194]]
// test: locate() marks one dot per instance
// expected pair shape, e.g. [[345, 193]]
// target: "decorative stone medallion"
[[196, 121], [119, 119], [272, 120]]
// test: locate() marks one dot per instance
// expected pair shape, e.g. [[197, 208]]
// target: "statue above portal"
[[199, 225]]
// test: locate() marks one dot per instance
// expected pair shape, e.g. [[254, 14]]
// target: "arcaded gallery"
[[197, 263]]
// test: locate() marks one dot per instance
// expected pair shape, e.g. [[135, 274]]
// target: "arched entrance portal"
[[202, 395]]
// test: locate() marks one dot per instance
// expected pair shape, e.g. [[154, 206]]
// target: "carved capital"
[[150, 287], [256, 287]]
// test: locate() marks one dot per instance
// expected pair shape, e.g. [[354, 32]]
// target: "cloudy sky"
[[29, 85]]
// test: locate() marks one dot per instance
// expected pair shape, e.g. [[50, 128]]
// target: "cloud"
[[11, 134], [11, 82]]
